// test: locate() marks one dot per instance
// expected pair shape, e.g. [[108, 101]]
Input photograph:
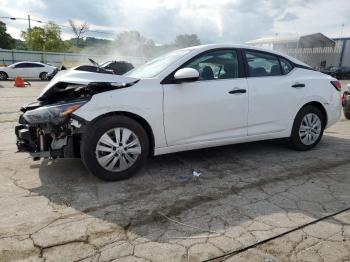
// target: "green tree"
[[185, 40], [47, 38], [99, 43], [6, 41], [78, 30], [20, 45]]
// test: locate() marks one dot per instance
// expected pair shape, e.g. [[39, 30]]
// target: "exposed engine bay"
[[48, 128]]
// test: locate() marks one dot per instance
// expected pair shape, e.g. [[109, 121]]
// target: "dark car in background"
[[118, 67], [339, 72], [110, 67]]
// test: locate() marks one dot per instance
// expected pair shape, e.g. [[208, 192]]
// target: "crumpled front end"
[[50, 131], [48, 128]]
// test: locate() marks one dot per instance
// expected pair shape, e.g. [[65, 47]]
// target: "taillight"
[[336, 84]]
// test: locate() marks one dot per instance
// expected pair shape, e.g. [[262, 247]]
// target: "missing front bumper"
[[33, 140]]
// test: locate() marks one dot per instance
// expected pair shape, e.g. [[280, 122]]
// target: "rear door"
[[34, 69], [274, 92]]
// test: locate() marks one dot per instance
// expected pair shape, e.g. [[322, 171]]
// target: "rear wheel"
[[114, 148], [3, 76], [43, 76], [307, 129]]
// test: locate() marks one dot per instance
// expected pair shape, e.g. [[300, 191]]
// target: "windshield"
[[157, 65]]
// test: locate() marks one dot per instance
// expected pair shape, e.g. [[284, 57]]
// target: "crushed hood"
[[81, 78]]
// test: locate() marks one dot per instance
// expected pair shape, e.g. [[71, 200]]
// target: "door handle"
[[298, 85], [238, 91]]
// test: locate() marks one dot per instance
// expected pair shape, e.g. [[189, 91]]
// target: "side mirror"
[[186, 75]]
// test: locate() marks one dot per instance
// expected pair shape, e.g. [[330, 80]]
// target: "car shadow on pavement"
[[240, 186]]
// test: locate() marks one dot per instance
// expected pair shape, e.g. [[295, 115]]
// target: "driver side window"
[[214, 65], [21, 65]]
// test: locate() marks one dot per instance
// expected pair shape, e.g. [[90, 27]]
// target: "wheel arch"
[[143, 122], [319, 106]]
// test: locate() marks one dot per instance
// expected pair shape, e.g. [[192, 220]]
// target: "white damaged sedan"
[[197, 97]]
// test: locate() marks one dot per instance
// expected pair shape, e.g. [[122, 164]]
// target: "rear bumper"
[[333, 109]]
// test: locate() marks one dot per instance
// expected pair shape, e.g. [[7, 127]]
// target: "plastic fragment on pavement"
[[196, 174]]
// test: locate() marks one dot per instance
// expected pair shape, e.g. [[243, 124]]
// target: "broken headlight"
[[52, 113]]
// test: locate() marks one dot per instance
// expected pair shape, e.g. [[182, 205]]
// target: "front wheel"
[[114, 148], [307, 129], [3, 76]]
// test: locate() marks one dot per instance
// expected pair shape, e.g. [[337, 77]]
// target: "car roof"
[[202, 48], [30, 62]]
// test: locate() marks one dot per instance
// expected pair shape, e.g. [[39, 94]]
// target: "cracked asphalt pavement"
[[247, 193]]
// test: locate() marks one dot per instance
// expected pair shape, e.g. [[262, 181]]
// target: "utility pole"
[[30, 33], [341, 30], [29, 26]]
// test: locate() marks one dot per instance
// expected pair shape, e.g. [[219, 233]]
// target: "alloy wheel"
[[43, 76], [3, 76], [118, 149], [310, 129]]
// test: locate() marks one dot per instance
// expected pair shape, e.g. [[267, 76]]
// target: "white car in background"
[[197, 97], [27, 70]]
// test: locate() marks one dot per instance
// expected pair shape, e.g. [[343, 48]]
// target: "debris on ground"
[[196, 174]]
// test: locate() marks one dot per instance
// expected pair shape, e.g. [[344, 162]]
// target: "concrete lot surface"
[[247, 193]]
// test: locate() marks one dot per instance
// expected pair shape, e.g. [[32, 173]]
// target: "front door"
[[20, 69], [212, 108]]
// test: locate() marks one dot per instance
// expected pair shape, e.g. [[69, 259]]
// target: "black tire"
[[346, 107], [43, 76], [3, 76], [295, 141], [94, 133]]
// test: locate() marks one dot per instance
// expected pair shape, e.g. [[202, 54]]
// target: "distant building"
[[317, 50]]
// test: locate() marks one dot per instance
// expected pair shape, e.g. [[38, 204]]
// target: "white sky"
[[214, 21]]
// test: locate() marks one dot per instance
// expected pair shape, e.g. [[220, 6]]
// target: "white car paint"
[[27, 69], [192, 115], [187, 103]]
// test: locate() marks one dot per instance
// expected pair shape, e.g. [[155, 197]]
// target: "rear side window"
[[262, 64], [34, 65], [286, 66]]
